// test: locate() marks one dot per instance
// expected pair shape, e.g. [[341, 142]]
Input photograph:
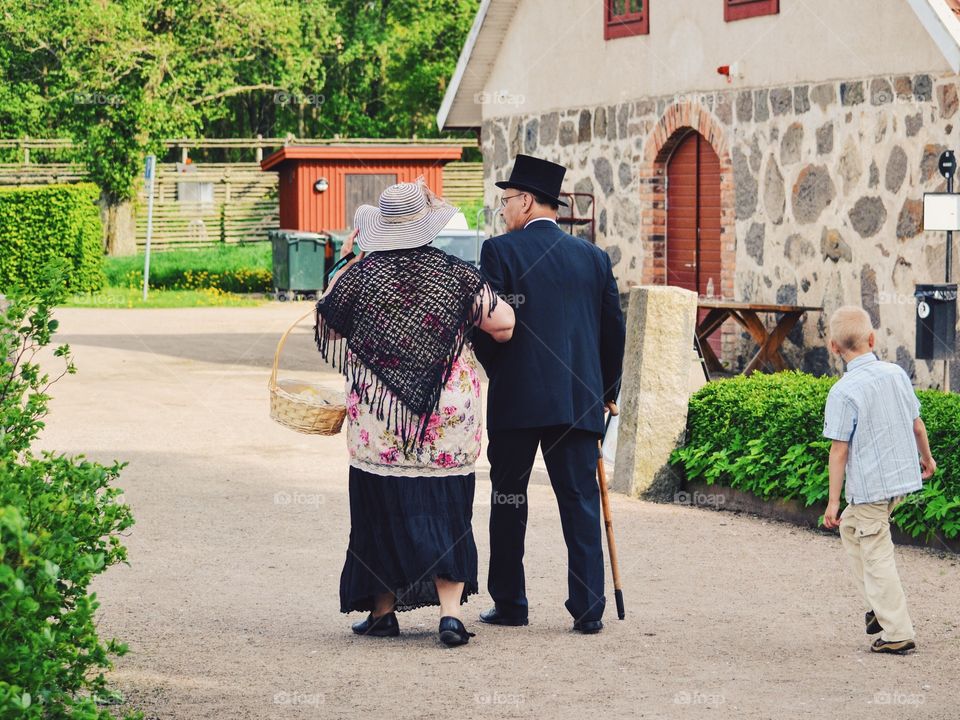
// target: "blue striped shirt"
[[873, 407]]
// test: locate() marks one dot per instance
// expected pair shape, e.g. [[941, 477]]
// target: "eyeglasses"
[[507, 198]]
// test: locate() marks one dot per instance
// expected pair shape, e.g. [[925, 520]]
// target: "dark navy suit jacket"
[[565, 358]]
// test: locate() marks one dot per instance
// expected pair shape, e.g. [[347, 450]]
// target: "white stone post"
[[661, 322]]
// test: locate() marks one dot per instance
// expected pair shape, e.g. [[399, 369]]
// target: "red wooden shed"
[[321, 187]]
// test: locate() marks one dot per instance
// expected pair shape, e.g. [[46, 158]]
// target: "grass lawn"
[[126, 297], [185, 278], [167, 267]]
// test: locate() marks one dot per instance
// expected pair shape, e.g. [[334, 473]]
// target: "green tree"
[[119, 77], [392, 64]]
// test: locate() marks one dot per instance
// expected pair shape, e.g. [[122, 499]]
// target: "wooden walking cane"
[[608, 517]]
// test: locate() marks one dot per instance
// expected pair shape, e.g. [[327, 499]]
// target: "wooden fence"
[[203, 203], [36, 174], [463, 182], [212, 203]]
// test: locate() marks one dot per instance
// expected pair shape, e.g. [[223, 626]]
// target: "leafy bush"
[[470, 210], [763, 434], [59, 523], [42, 224]]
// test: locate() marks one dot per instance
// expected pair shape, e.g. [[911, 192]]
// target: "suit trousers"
[[571, 459], [865, 534]]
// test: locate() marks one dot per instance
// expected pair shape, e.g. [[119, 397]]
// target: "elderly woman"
[[397, 321]]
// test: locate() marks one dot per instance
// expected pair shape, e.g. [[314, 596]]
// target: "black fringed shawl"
[[404, 316]]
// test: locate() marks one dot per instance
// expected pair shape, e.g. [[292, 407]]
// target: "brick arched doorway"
[[693, 252], [680, 122]]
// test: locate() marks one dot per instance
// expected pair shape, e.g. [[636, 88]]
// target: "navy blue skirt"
[[404, 532]]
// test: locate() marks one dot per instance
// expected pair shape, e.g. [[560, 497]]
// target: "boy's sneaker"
[[873, 625], [900, 647]]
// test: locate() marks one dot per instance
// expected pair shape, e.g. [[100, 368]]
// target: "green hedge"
[[41, 224], [763, 434], [60, 523]]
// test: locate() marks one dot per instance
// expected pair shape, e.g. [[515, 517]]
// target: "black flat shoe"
[[873, 625], [495, 617], [453, 633], [383, 626], [588, 627]]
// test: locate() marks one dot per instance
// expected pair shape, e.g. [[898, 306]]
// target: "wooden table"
[[748, 315]]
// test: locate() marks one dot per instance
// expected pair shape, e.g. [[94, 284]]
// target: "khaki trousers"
[[865, 533]]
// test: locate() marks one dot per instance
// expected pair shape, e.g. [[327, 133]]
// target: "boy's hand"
[[831, 518], [839, 453], [929, 466]]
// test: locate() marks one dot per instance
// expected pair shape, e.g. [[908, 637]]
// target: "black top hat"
[[535, 175]]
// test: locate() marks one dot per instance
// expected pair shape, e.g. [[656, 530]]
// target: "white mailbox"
[[941, 211]]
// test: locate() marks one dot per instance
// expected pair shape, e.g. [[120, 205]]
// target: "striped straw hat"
[[409, 216]]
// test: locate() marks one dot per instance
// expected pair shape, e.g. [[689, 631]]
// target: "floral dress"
[[452, 442]]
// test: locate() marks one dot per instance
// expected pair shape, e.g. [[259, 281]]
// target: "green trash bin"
[[298, 263], [337, 238]]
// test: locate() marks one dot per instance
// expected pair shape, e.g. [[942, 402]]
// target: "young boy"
[[873, 418]]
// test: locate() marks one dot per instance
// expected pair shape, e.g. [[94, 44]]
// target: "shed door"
[[693, 219], [364, 189]]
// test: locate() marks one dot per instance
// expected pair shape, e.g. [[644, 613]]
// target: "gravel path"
[[230, 603]]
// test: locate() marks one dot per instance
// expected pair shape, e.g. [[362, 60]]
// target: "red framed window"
[[623, 18], [743, 9]]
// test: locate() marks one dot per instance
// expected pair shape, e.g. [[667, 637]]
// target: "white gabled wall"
[[554, 55]]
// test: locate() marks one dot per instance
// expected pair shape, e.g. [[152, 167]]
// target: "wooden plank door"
[[364, 189], [693, 219]]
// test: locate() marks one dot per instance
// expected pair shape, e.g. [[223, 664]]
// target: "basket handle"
[[283, 339]]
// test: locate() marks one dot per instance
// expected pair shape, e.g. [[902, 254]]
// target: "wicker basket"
[[303, 406]]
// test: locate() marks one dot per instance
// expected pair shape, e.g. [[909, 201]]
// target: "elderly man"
[[548, 387]]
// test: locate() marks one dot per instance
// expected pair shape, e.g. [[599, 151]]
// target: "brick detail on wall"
[[678, 120]]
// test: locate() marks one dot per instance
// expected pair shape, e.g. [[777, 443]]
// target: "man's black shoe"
[[495, 617], [383, 626], [588, 627]]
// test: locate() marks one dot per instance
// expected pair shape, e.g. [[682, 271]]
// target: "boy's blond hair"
[[850, 327]]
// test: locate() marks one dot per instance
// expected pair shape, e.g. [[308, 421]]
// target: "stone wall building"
[[812, 127]]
